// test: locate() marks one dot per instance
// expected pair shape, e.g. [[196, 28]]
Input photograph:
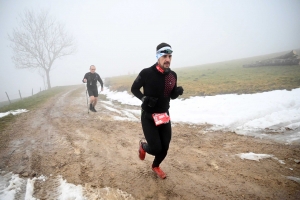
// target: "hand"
[[179, 90], [84, 80], [150, 101]]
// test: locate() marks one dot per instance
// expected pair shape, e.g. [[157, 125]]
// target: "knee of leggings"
[[159, 150]]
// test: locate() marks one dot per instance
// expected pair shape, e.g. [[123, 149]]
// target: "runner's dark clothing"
[[93, 92], [158, 138], [91, 83], [156, 84], [162, 86], [92, 79]]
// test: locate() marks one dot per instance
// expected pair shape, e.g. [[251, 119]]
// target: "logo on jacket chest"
[[169, 84]]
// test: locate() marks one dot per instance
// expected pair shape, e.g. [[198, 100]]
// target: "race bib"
[[160, 118]]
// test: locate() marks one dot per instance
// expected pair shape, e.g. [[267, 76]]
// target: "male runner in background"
[[91, 79]]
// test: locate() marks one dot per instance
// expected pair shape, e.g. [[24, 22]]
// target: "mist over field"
[[120, 37]]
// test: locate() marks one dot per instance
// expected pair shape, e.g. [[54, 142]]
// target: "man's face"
[[92, 69], [165, 61]]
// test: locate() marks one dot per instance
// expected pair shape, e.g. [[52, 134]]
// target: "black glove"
[[150, 101], [179, 90]]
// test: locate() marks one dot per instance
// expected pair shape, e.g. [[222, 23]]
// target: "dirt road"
[[99, 150]]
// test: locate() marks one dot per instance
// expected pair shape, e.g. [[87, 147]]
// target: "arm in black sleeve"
[[136, 86], [174, 94], [100, 81], [85, 77]]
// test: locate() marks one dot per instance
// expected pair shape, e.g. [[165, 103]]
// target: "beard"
[[165, 65], [167, 70]]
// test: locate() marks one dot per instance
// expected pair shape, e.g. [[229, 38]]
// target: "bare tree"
[[38, 41]]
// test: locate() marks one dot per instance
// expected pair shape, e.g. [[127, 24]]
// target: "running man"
[[159, 85], [91, 79]]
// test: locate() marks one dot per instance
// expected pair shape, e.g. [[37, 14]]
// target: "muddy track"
[[99, 150]]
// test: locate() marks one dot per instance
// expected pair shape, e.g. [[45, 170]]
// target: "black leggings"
[[158, 138]]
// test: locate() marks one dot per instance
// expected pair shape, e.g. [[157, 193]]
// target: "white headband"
[[159, 52]]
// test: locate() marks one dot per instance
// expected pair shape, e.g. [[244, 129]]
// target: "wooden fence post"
[[8, 97], [32, 92], [20, 95]]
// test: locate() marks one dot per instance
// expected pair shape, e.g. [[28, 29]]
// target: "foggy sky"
[[120, 37]]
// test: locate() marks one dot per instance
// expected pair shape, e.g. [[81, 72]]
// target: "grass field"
[[226, 78]]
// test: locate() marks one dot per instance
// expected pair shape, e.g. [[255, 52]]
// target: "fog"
[[120, 37]]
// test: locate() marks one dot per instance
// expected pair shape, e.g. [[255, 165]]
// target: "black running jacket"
[[155, 84]]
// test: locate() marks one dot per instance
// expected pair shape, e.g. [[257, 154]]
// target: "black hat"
[[161, 45]]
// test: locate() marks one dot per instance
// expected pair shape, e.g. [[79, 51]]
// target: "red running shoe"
[[142, 152], [159, 172]]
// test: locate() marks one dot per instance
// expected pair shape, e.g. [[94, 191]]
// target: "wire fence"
[[13, 96]]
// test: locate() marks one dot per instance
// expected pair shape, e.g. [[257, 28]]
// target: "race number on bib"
[[160, 118]]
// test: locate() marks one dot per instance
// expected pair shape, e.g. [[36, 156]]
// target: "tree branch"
[[39, 41]]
